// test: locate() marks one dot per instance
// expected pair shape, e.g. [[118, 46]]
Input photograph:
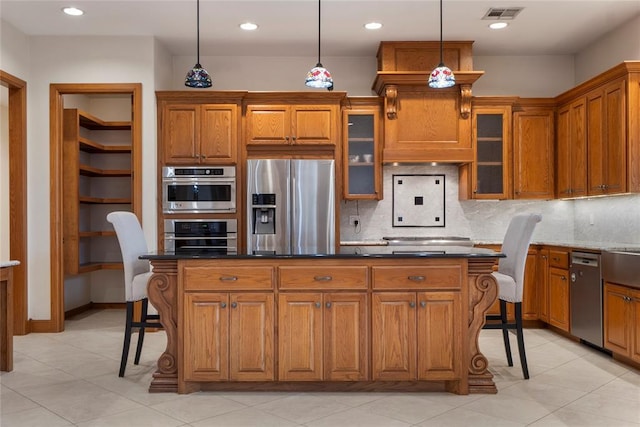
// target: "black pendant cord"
[[441, 61], [198, 32], [319, 19]]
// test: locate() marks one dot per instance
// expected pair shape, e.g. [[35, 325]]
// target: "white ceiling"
[[289, 27]]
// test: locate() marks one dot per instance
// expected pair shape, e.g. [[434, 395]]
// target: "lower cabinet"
[[558, 289], [323, 336], [416, 336], [229, 336], [622, 320]]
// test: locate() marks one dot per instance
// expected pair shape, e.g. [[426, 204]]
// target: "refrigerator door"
[[267, 178], [313, 207]]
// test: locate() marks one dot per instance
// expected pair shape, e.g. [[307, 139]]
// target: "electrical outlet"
[[354, 220]]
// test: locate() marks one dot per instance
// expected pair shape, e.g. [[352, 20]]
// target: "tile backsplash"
[[614, 220]]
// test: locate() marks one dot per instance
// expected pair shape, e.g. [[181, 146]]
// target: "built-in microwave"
[[218, 236], [199, 189]]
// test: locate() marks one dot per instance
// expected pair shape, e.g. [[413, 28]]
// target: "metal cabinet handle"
[[328, 304], [318, 305], [234, 304], [322, 278], [423, 304], [228, 278], [416, 278], [294, 138], [223, 305], [563, 278], [412, 304]]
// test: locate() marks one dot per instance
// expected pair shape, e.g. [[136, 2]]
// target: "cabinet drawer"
[[559, 259], [418, 277], [225, 278], [324, 277]]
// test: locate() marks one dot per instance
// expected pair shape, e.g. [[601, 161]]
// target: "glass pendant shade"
[[442, 77], [198, 77], [319, 77]]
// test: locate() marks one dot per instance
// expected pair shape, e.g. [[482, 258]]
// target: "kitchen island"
[[367, 318]]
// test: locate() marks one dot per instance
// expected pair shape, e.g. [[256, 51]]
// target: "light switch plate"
[[418, 201]]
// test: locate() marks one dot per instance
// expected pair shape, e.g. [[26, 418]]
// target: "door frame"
[[18, 197], [56, 109]]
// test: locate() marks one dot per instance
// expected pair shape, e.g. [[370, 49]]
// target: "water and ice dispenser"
[[263, 218]]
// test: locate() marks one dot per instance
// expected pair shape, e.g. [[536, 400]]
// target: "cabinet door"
[[439, 336], [362, 176], [634, 306], [181, 133], [617, 328], [616, 137], [394, 336], [252, 337], [268, 125], [491, 170], [559, 298], [314, 124], [543, 284], [596, 143], [346, 332], [530, 291], [206, 337], [571, 179], [300, 348], [533, 162], [218, 134]]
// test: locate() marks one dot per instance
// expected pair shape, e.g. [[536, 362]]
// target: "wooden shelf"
[[95, 266], [490, 139], [104, 201], [361, 140], [490, 163], [90, 146], [89, 121], [96, 233], [86, 170], [361, 164]]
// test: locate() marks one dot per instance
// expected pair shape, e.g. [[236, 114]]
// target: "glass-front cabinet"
[[362, 159]]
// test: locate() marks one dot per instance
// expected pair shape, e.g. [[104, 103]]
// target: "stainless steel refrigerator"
[[290, 206]]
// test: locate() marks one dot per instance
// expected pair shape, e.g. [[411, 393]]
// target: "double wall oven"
[[198, 192]]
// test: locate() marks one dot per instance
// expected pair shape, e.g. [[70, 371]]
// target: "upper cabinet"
[[292, 119], [598, 134], [423, 124], [196, 130], [362, 172], [533, 153]]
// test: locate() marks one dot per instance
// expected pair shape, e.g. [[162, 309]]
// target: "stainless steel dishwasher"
[[586, 297]]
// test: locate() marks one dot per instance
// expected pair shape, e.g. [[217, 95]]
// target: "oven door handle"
[[200, 238], [208, 247]]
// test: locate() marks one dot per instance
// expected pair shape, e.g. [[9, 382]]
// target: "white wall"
[[617, 46]]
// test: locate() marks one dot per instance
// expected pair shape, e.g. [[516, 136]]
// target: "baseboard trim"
[[42, 326], [94, 306]]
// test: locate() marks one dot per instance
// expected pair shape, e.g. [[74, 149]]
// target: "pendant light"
[[319, 77], [441, 76], [198, 77]]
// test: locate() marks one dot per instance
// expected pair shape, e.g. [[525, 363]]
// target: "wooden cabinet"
[[288, 124], [542, 274], [606, 139], [199, 133], [406, 345], [558, 289], [622, 320], [97, 178], [571, 149], [362, 172], [228, 328], [323, 335], [533, 152]]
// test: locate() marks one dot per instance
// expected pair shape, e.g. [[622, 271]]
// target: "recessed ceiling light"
[[249, 26], [373, 26], [498, 25], [73, 11]]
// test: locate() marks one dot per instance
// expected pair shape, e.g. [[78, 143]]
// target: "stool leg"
[[143, 321], [505, 331], [127, 339], [523, 356]]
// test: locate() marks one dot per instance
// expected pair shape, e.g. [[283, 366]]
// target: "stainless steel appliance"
[[585, 297], [198, 189], [621, 266], [428, 241], [290, 206], [201, 235]]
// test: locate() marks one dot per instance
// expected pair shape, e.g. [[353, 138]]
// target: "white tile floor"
[[71, 378]]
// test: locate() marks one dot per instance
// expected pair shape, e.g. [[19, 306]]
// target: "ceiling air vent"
[[496, 13]]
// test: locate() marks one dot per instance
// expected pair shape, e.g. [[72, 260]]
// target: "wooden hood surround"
[[424, 124]]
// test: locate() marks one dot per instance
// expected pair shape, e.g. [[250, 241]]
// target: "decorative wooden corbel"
[[465, 100], [391, 102]]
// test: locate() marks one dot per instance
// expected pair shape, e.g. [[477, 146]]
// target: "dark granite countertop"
[[345, 252]]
